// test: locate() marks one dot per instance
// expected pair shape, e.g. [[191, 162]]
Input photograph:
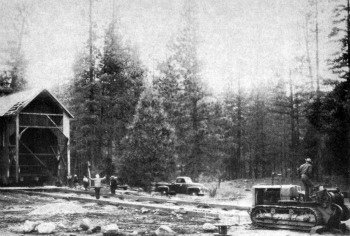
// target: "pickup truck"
[[182, 185]]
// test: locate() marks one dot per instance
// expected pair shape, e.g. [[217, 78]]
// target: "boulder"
[[164, 230], [110, 230], [46, 228], [29, 226], [96, 229], [209, 227], [85, 224], [144, 210]]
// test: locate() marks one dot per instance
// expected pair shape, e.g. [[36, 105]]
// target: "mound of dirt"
[[58, 208]]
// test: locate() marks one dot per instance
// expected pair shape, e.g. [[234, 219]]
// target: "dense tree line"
[[150, 130], [175, 125]]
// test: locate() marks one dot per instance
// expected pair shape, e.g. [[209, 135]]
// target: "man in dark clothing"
[[305, 172], [113, 184], [70, 181], [76, 181]]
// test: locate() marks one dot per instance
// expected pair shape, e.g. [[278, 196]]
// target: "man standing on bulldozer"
[[305, 172]]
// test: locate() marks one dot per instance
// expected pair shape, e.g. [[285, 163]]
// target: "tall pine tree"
[[182, 88], [148, 147], [120, 85]]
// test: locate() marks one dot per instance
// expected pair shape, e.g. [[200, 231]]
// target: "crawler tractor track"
[[282, 217]]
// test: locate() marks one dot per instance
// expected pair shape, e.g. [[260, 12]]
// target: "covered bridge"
[[34, 138]]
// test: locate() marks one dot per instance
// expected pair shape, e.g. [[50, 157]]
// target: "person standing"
[[305, 172], [70, 181], [113, 184], [85, 183], [97, 184], [75, 181]]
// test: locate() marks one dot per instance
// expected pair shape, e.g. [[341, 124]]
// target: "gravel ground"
[[15, 209]]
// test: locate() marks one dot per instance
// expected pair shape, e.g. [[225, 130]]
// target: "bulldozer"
[[284, 207]]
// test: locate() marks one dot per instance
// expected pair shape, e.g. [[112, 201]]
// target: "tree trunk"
[[22, 14], [91, 96], [317, 51], [308, 60], [292, 120]]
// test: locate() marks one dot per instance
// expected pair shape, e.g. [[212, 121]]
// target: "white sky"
[[251, 39]]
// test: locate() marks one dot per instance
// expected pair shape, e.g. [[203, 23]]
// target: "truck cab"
[[182, 185]]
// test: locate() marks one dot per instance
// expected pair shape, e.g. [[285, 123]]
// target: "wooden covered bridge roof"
[[14, 103]]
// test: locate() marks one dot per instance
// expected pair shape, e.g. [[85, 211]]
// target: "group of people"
[[74, 181]]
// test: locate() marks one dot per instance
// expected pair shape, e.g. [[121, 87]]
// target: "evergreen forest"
[[152, 125]]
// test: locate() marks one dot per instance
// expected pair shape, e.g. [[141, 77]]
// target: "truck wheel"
[[164, 192], [193, 193]]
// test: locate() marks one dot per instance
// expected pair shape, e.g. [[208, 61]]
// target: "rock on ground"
[[110, 230], [46, 228], [29, 226], [209, 227], [144, 210], [164, 230], [96, 229], [85, 224]]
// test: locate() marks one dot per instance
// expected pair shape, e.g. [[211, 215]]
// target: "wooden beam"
[[40, 114], [42, 163], [64, 163], [53, 122], [89, 172], [7, 147], [40, 127], [39, 154], [20, 135], [17, 148]]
